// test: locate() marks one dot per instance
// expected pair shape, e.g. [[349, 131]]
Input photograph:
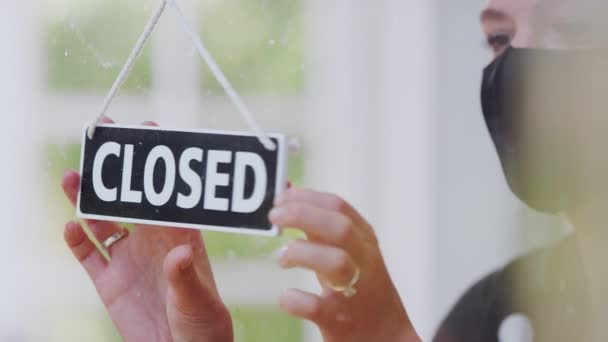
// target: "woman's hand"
[[158, 285], [341, 243]]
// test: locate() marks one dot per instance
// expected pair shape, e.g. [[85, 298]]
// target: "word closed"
[[207, 180]]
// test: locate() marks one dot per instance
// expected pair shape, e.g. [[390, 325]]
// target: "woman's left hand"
[[340, 245], [158, 286]]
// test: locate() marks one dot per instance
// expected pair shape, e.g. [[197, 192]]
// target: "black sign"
[[193, 179]]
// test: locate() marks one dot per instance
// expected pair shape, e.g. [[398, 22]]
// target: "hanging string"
[[209, 60], [221, 78], [126, 69]]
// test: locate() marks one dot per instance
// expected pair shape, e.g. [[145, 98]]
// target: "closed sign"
[[193, 179]]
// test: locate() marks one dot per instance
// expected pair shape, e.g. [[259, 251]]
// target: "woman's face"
[[579, 134], [549, 24]]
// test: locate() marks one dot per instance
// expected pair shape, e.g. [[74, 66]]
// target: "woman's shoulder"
[[474, 317], [527, 285]]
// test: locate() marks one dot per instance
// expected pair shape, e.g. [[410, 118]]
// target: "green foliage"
[[250, 324], [61, 157], [86, 51], [263, 324], [258, 44]]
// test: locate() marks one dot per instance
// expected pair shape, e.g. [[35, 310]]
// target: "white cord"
[[221, 78], [213, 66], [126, 69]]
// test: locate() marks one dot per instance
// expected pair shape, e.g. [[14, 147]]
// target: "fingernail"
[[293, 300], [276, 214], [278, 254], [106, 120], [73, 235], [279, 199], [186, 263], [188, 257], [72, 225], [68, 175]]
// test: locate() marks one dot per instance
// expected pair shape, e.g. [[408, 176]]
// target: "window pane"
[[88, 43], [257, 43]]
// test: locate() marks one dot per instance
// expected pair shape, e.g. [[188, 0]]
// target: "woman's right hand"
[[340, 244]]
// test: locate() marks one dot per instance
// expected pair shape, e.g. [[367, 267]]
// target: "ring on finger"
[[349, 290], [114, 238]]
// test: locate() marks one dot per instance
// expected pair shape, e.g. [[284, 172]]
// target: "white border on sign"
[[280, 186]]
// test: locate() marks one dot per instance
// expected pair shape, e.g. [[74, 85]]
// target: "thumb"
[[184, 281], [193, 309]]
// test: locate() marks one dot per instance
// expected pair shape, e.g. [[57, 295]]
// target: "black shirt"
[[547, 287]]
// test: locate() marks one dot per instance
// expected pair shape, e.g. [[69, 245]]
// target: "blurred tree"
[[259, 44], [86, 48]]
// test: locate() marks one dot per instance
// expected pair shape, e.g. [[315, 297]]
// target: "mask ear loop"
[[203, 52]]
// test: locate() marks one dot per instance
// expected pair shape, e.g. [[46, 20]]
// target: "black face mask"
[[534, 104]]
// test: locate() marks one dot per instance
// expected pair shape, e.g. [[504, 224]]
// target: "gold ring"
[[349, 290], [113, 239]]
